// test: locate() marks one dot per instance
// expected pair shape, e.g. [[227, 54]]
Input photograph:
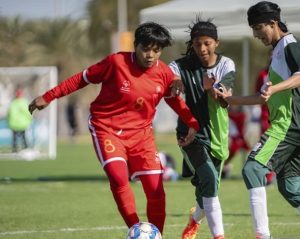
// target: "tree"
[[104, 20], [14, 39]]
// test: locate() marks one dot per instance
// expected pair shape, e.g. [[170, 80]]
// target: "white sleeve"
[[174, 67]]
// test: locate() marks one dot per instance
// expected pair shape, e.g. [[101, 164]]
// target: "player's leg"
[[269, 154], [117, 174], [196, 217], [288, 179], [254, 175], [23, 136], [206, 181], [144, 162], [290, 190], [14, 142], [207, 188], [188, 169], [156, 203], [112, 156]]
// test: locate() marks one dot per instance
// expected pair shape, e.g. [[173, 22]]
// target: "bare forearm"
[[291, 83], [245, 100]]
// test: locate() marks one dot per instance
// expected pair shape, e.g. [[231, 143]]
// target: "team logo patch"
[[256, 147], [125, 88]]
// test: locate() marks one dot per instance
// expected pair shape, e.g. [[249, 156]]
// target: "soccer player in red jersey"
[[120, 121]]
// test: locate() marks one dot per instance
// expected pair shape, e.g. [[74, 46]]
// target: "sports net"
[[41, 135]]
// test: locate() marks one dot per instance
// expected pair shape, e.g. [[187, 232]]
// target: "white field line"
[[104, 228], [111, 228]]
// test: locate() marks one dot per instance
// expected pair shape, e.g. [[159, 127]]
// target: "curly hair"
[[200, 28]]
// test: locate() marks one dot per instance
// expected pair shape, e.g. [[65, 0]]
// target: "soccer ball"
[[143, 230]]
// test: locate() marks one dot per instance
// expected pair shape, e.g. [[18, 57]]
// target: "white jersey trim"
[[95, 140], [84, 74], [224, 66], [279, 64], [174, 67]]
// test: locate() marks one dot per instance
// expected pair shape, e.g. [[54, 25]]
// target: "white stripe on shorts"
[[149, 172]]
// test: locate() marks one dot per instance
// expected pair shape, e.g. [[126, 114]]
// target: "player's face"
[[147, 56], [205, 48], [264, 32]]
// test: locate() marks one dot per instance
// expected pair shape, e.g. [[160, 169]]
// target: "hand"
[[224, 94], [208, 82], [38, 103], [177, 87], [213, 93], [266, 91], [189, 138], [223, 103]]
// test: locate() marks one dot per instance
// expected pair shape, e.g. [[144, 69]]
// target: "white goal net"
[[41, 135]]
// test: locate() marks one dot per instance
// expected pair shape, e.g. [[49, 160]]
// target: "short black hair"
[[151, 33]]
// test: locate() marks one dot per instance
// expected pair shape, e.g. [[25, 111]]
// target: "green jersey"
[[19, 118], [213, 119], [284, 106]]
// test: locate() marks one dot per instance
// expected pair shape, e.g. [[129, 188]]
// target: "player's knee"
[[117, 174], [247, 171], [253, 174]]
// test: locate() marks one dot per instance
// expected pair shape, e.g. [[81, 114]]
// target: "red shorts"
[[136, 148]]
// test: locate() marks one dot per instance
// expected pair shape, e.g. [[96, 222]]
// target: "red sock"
[[117, 173], [156, 204], [126, 204], [156, 212]]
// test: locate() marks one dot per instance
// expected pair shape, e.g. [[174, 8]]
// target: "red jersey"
[[129, 94]]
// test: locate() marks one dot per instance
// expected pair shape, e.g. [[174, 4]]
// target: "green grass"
[[70, 198]]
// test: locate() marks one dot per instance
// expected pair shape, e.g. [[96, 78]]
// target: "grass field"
[[70, 198]]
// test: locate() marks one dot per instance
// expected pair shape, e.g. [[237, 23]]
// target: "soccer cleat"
[[191, 229]]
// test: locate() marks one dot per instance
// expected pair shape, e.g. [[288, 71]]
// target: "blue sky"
[[35, 9]]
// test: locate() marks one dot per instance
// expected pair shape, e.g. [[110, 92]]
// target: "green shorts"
[[194, 156], [279, 156], [204, 169]]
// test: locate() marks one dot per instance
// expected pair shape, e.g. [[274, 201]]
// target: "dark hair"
[[151, 33], [200, 28], [264, 12]]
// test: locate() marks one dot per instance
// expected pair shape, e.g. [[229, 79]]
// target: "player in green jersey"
[[201, 71], [279, 147]]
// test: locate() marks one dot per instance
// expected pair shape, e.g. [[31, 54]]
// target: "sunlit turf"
[[70, 198]]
